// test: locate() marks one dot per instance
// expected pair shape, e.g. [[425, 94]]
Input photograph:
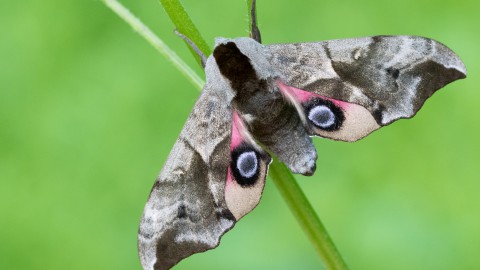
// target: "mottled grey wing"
[[373, 81], [186, 211], [214, 175]]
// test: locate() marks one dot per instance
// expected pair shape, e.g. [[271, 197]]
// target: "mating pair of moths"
[[277, 96]]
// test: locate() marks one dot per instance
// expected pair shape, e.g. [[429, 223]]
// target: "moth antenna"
[[203, 58], [254, 31]]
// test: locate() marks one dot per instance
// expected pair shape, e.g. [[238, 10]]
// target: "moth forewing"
[[186, 211]]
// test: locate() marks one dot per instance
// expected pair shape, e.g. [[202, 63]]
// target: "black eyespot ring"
[[245, 165], [329, 116]]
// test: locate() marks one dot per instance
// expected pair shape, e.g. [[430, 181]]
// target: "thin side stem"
[[184, 25], [156, 42]]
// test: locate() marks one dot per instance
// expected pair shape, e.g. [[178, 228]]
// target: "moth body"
[[278, 97]]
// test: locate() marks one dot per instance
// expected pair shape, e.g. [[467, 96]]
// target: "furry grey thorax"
[[246, 64]]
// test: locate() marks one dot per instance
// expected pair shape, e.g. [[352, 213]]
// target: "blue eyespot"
[[322, 116], [247, 164]]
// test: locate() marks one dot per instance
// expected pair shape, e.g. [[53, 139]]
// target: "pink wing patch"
[[238, 128], [303, 96], [328, 117], [247, 170]]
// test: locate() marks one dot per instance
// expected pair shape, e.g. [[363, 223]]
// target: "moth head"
[[258, 55]]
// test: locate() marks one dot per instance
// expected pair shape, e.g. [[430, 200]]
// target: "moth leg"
[[254, 31], [203, 58]]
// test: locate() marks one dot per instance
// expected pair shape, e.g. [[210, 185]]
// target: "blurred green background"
[[89, 112]]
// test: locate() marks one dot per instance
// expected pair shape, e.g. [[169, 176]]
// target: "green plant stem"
[[305, 215], [156, 42], [279, 173], [184, 25], [301, 207]]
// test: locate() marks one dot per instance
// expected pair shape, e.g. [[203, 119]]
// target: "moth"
[[260, 99]]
